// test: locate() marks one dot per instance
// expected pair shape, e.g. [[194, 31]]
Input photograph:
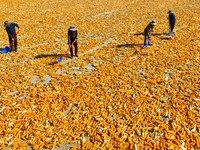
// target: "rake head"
[[60, 59]]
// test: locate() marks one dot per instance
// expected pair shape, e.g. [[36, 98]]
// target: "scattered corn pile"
[[114, 95]]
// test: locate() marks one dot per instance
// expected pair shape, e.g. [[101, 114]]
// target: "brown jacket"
[[149, 29]]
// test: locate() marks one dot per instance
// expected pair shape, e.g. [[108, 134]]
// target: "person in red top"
[[148, 32], [10, 29]]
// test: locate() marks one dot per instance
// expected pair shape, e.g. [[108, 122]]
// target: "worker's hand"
[[19, 29], [12, 39]]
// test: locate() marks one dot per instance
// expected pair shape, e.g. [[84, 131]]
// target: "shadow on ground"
[[139, 34], [159, 34], [50, 55], [56, 56], [129, 45], [165, 38], [154, 34], [162, 36]]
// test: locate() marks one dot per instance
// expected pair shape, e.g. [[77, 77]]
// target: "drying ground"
[[115, 95]]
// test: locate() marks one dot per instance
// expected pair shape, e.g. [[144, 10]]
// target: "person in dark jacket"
[[72, 40], [10, 29], [172, 21], [148, 32]]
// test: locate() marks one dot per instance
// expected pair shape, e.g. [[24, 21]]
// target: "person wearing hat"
[[148, 32], [10, 29], [72, 40], [172, 21]]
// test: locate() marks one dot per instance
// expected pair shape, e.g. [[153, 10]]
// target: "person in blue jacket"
[[10, 29], [172, 21], [72, 40]]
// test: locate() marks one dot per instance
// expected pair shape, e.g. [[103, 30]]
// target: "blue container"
[[5, 50]]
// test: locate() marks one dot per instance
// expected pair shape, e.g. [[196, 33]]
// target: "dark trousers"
[[171, 27], [146, 39], [76, 49], [13, 44]]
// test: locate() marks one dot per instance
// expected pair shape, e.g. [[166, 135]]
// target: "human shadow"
[[58, 57], [50, 55], [165, 38], [159, 34], [162, 36], [129, 45], [153, 34], [139, 34]]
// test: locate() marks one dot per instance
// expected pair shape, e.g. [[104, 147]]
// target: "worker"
[[148, 32], [72, 40], [10, 29], [172, 22]]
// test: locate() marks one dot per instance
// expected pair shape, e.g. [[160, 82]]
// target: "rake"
[[8, 48], [60, 59]]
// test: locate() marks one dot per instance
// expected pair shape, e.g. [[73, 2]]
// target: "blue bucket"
[[5, 50]]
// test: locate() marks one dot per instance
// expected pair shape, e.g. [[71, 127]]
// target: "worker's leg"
[[76, 48]]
